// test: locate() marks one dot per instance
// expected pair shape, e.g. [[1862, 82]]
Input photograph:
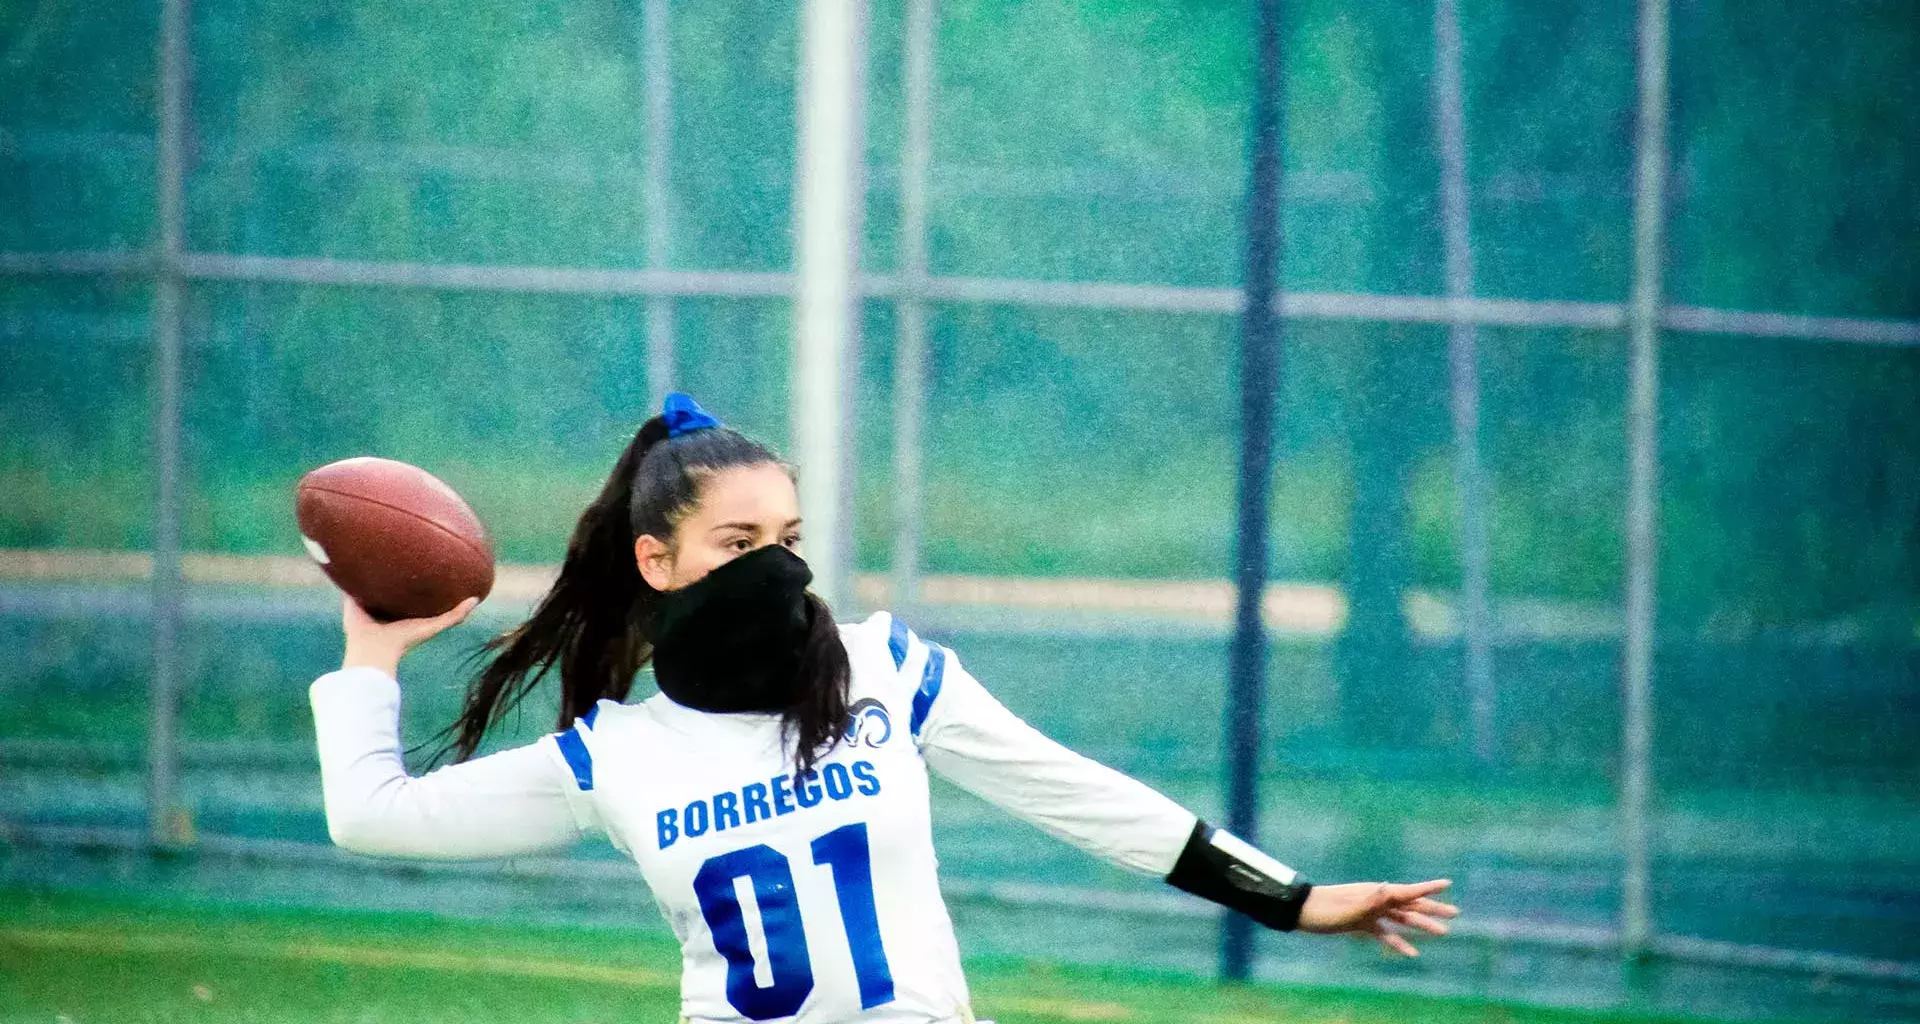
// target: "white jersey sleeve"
[[514, 802], [972, 740]]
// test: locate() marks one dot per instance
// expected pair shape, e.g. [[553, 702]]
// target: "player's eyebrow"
[[751, 527]]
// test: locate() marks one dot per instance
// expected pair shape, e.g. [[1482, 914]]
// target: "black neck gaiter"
[[732, 641]]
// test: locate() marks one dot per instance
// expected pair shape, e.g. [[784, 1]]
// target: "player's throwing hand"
[[379, 645], [1378, 909]]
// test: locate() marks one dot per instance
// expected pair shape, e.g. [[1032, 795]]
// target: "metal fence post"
[[657, 51], [168, 822], [910, 347], [1463, 365], [829, 201], [1259, 382], [1643, 328]]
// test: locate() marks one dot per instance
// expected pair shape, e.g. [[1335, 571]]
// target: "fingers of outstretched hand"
[[1415, 919], [1417, 890], [1364, 907], [1392, 941], [1346, 907]]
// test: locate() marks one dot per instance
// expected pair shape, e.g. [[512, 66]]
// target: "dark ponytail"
[[594, 622], [817, 719]]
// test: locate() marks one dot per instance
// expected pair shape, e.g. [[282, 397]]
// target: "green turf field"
[[80, 959]]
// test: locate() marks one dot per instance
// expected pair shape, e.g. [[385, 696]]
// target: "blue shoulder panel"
[[929, 686], [574, 749], [897, 641], [592, 713]]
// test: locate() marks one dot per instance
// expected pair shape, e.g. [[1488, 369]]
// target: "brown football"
[[395, 538]]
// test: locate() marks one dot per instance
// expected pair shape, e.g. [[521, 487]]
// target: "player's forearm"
[[1126, 822], [471, 811], [976, 742], [368, 795], [1218, 866]]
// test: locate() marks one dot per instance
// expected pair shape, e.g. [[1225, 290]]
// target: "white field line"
[[110, 943], [106, 943], [389, 957]]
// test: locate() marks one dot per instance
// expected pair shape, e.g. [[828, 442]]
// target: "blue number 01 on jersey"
[[768, 871]]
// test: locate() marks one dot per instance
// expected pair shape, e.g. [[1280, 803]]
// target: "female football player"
[[774, 793]]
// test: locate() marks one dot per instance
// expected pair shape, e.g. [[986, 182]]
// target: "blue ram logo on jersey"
[[867, 722]]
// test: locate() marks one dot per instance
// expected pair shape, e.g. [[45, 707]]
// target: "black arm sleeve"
[[1211, 873]]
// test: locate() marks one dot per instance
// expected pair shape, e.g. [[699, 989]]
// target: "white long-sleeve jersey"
[[810, 898]]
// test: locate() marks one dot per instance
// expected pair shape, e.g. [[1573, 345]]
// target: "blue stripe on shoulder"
[[574, 749], [929, 686], [897, 636], [592, 713]]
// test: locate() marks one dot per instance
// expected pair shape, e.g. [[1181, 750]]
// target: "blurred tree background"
[[1077, 142]]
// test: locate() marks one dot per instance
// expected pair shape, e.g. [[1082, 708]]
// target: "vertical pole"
[[1643, 326], [910, 347], [1259, 378], [1463, 365], [827, 223], [657, 50], [168, 823]]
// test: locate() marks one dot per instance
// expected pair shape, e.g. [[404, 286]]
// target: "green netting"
[[76, 105]]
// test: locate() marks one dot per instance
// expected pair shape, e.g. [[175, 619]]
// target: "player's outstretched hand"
[[375, 644], [1378, 909]]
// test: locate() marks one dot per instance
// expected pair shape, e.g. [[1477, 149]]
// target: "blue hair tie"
[[684, 415]]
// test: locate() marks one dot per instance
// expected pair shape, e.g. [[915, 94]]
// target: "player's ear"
[[654, 559]]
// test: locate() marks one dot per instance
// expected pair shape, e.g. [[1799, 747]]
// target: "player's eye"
[[792, 540], [740, 544]]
